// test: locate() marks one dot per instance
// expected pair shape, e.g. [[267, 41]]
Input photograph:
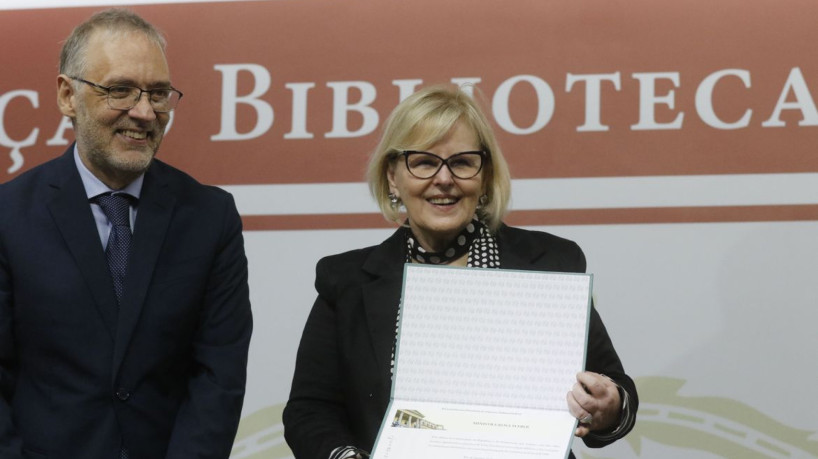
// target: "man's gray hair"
[[115, 21]]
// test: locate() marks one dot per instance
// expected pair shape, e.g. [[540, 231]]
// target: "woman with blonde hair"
[[439, 174]]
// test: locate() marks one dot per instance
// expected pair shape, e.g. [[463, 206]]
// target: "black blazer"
[[342, 380], [165, 372]]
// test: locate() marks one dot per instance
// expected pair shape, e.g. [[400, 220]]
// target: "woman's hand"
[[595, 401]]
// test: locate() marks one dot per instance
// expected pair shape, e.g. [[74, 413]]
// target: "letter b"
[[230, 100]]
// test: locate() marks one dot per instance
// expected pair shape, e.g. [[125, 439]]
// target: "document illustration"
[[483, 361]]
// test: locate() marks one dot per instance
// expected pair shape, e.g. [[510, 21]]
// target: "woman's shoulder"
[[527, 249], [347, 271], [373, 257], [513, 235], [354, 257]]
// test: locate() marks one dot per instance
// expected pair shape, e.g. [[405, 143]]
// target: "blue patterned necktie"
[[117, 208]]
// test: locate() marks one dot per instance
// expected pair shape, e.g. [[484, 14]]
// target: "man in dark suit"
[[124, 307]]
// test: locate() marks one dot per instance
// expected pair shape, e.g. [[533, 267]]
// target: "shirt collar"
[[95, 187]]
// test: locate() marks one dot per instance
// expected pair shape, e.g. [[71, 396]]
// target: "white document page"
[[484, 360]]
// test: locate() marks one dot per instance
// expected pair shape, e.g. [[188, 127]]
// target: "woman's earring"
[[482, 201], [394, 201]]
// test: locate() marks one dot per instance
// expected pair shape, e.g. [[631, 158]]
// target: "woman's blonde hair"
[[419, 122]]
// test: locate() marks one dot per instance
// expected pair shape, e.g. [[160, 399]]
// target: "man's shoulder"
[[184, 186], [31, 188], [34, 176]]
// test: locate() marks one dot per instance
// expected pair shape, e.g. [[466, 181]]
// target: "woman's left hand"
[[595, 401]]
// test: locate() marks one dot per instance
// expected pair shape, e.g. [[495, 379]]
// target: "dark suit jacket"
[[342, 380], [165, 372]]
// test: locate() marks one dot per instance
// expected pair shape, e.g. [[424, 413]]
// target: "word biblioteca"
[[350, 104]]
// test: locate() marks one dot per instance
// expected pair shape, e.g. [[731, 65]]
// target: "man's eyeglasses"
[[425, 165], [162, 100]]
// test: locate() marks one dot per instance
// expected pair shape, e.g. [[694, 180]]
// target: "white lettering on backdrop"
[[355, 98]]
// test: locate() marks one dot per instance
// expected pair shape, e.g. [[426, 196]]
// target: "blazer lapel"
[[382, 295], [72, 214], [517, 252], [152, 219]]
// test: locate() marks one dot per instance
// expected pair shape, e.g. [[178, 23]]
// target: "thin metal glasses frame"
[[170, 99]]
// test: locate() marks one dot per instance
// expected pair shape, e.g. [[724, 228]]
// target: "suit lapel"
[[72, 214], [382, 295], [152, 219]]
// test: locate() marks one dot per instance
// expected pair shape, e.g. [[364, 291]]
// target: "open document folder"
[[484, 360]]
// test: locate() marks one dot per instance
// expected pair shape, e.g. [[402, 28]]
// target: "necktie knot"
[[117, 207]]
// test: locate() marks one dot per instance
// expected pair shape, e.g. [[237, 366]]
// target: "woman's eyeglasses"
[[425, 165]]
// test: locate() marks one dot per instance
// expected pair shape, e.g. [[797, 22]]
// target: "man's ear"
[[66, 96]]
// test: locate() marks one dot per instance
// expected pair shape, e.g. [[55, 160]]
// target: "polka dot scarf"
[[475, 239]]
